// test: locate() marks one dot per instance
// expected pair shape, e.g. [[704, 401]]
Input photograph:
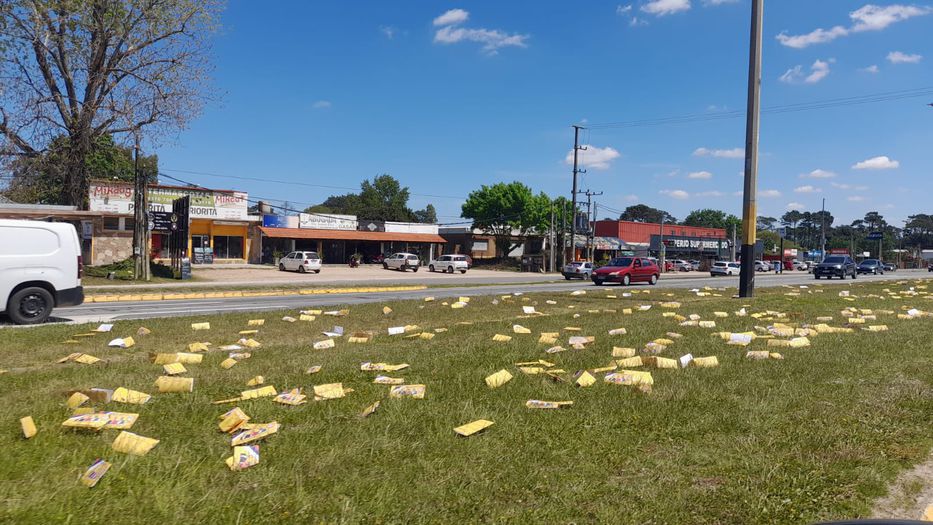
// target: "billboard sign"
[[688, 244], [875, 236], [790, 252], [118, 197], [279, 221], [321, 221]]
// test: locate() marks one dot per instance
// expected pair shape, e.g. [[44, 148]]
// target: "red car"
[[627, 270]]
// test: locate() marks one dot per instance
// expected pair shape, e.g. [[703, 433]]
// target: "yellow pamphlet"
[[618, 351], [585, 379], [255, 393], [77, 399], [174, 368], [412, 391], [228, 363], [498, 379], [28, 426], [499, 338], [175, 384], [256, 381], [200, 326], [705, 362], [130, 443], [243, 457], [328, 391], [93, 474], [370, 410], [255, 433], [474, 427]]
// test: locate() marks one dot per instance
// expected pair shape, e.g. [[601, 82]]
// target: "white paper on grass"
[[118, 342], [740, 338], [104, 327], [337, 332], [396, 330], [685, 360], [529, 309]]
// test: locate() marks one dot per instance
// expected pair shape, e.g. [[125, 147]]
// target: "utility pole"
[[749, 205], [662, 251], [589, 212], [732, 251], [573, 193], [823, 230], [553, 241], [140, 220]]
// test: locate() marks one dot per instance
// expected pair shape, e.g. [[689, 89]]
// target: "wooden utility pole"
[[140, 219]]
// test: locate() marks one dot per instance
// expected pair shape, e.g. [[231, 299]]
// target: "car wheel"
[[415, 269], [586, 277], [450, 269], [301, 269], [598, 282], [567, 277], [30, 306], [626, 280], [462, 271], [654, 279], [317, 271], [431, 268], [281, 267], [385, 266], [855, 275]]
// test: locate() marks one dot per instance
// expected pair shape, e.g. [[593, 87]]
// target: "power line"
[[787, 108]]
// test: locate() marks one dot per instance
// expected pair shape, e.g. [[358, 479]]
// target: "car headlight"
[[838, 266], [613, 274]]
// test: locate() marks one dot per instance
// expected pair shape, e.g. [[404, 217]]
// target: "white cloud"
[[875, 18], [321, 104], [867, 18], [817, 36], [676, 194], [665, 7], [631, 198], [712, 193], [841, 186], [388, 31], [873, 69], [795, 206], [734, 153], [818, 71], [623, 9], [896, 57], [702, 175], [806, 189], [877, 163], [819, 174], [767, 193], [594, 157], [492, 39], [452, 17], [855, 198]]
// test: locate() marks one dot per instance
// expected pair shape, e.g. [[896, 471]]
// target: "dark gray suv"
[[836, 266], [872, 266]]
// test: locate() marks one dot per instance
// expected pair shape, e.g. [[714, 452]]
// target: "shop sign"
[[693, 244], [320, 221], [371, 226], [118, 197], [279, 221]]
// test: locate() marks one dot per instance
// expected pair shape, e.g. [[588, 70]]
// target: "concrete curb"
[[112, 298]]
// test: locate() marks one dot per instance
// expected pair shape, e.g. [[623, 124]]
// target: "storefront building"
[[219, 229], [338, 237], [479, 245], [679, 242]]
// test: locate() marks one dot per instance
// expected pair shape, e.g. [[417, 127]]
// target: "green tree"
[[709, 218], [791, 218], [91, 68], [40, 179], [428, 215], [643, 213], [382, 199], [509, 212], [766, 223]]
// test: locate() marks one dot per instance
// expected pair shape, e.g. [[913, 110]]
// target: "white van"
[[40, 268]]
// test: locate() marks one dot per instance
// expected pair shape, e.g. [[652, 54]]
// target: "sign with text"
[[118, 197], [674, 243], [875, 236], [163, 221], [321, 221]]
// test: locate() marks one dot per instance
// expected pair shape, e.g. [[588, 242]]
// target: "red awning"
[[349, 235]]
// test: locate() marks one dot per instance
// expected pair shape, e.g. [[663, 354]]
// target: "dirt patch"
[[910, 496]]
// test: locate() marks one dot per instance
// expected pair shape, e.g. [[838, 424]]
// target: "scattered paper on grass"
[[256, 322], [661, 362], [537, 403], [255, 393], [412, 391], [198, 346], [500, 338], [77, 357], [173, 369], [631, 362], [705, 362], [77, 399], [228, 363], [743, 339], [132, 397], [93, 473], [368, 366], [555, 349], [256, 381], [243, 457], [106, 327], [232, 420], [386, 380], [396, 330], [175, 384], [313, 369], [474, 427], [618, 351], [324, 345], [255, 433], [248, 332], [336, 332], [630, 378], [293, 397], [585, 379], [531, 370], [134, 444], [200, 326], [685, 360], [28, 426], [618, 331], [519, 329], [329, 391], [306, 317], [289, 319], [370, 410]]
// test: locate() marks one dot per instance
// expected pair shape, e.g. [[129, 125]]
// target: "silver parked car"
[[449, 264], [402, 261]]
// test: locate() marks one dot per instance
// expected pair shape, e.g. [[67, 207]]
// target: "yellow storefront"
[[213, 241]]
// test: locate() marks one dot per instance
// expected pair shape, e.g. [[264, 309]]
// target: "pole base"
[[747, 275]]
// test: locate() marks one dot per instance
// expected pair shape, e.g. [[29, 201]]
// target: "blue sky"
[[446, 96]]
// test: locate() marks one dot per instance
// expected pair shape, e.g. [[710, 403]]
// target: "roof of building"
[[349, 235]]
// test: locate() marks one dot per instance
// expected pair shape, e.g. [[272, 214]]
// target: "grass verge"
[[818, 435]]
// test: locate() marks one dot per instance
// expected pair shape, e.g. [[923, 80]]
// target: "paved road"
[[142, 310]]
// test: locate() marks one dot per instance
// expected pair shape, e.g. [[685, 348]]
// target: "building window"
[[228, 247], [112, 224], [129, 224]]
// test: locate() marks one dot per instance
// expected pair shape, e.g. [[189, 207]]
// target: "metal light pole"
[[823, 230], [749, 205]]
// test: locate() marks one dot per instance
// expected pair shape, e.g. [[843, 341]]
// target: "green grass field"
[[817, 435]]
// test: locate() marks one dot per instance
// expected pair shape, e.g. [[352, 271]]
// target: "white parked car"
[[40, 268], [301, 262], [402, 261], [725, 268], [449, 264], [578, 270]]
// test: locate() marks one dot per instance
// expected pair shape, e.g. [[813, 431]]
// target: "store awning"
[[602, 243], [349, 235]]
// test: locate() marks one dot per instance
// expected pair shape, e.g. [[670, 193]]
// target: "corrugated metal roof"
[[349, 235]]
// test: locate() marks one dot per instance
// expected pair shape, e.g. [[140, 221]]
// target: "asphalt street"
[[101, 312]]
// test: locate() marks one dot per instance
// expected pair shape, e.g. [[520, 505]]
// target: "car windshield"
[[869, 262], [719, 263], [834, 260], [621, 261]]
